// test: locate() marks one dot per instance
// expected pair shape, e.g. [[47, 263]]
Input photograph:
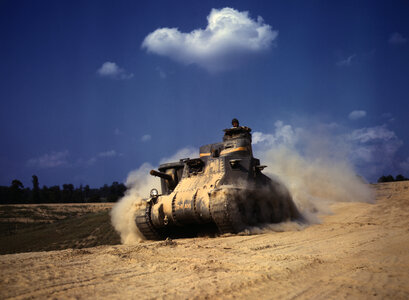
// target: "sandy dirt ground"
[[359, 252]]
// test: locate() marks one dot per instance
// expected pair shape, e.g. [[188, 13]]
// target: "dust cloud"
[[315, 167], [314, 184], [139, 184]]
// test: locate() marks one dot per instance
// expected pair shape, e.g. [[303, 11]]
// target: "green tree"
[[116, 191], [67, 193], [390, 178], [45, 194], [16, 191], [35, 194], [400, 177], [87, 194], [17, 184], [382, 179], [55, 194], [79, 194]]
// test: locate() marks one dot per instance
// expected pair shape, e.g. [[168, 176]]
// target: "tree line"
[[16, 193], [389, 178]]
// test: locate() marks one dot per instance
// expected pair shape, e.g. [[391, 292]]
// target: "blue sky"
[[90, 90]]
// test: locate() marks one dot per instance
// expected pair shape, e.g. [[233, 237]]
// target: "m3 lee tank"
[[223, 190]]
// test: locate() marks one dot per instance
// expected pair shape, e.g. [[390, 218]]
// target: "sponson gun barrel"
[[161, 175]]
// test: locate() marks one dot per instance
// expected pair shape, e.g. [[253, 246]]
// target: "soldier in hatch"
[[235, 123], [236, 131]]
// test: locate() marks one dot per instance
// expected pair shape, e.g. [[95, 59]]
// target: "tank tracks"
[[224, 211], [226, 215], [144, 224]]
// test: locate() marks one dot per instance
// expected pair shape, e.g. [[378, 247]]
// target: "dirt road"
[[359, 252]]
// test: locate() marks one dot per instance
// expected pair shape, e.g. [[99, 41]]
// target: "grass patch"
[[89, 230]]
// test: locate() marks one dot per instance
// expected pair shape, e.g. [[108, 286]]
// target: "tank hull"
[[224, 209]]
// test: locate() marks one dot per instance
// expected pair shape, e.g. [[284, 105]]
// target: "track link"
[[144, 224], [223, 213]]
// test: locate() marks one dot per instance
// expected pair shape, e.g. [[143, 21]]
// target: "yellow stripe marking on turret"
[[226, 151], [233, 150]]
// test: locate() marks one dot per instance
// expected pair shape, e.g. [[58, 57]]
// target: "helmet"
[[234, 121]]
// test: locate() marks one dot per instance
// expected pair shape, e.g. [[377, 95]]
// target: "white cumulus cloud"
[[228, 35], [369, 134], [112, 70], [146, 138], [260, 137], [109, 153], [100, 155], [397, 39], [347, 61], [356, 114], [284, 134], [50, 160]]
